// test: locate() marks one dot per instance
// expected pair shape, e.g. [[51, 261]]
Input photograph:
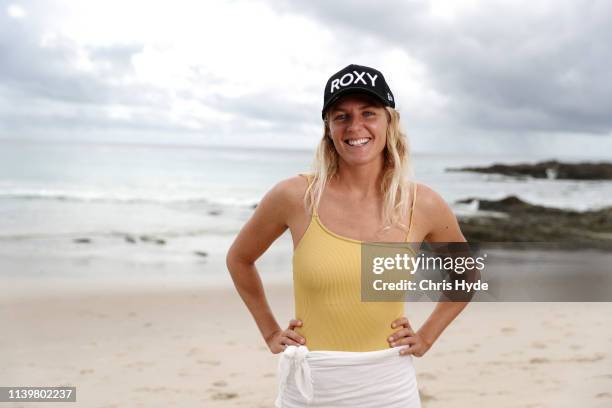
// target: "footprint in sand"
[[269, 375], [508, 329], [538, 345], [220, 383], [604, 395], [140, 364], [539, 360], [426, 376], [87, 371], [425, 396], [209, 362], [224, 395], [575, 347], [590, 359]]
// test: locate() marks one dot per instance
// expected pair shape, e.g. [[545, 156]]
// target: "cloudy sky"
[[469, 76]]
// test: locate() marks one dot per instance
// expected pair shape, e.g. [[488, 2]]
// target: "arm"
[[442, 226], [267, 223], [444, 229]]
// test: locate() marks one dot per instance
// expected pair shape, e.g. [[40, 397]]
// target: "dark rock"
[[155, 240], [82, 240], [512, 204], [214, 212], [201, 253], [525, 222], [130, 239], [551, 169]]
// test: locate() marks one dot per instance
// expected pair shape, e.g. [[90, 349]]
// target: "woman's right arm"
[[268, 222]]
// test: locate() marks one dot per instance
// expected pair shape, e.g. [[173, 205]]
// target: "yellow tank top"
[[327, 290]]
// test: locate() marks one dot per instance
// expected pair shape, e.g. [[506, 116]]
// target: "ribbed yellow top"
[[327, 290]]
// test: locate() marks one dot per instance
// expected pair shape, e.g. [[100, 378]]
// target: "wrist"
[[269, 335], [428, 338]]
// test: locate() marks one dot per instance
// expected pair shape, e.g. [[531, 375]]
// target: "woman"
[[340, 351]]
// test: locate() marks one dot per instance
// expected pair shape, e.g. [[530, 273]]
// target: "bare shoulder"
[[290, 190], [441, 224], [286, 196], [429, 201]]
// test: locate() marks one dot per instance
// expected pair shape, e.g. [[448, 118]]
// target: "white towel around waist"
[[336, 379]]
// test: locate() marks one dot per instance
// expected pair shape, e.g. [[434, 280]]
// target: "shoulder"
[[440, 223], [291, 188], [428, 200], [286, 194]]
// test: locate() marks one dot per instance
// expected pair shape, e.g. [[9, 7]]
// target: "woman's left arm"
[[442, 227]]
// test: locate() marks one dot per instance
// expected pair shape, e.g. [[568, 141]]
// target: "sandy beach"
[[199, 347]]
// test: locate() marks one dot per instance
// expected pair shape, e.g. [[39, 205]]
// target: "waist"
[[357, 327], [329, 358]]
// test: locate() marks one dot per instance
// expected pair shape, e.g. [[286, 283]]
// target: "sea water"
[[171, 212]]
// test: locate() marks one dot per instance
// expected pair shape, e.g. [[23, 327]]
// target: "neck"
[[360, 181]]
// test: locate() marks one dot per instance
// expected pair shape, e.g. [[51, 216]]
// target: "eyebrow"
[[367, 105]]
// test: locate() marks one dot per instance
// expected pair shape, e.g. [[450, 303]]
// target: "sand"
[[198, 347]]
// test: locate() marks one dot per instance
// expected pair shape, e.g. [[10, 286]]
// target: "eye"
[[368, 113], [340, 117]]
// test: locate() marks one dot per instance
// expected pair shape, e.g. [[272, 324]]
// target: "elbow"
[[234, 262], [230, 260]]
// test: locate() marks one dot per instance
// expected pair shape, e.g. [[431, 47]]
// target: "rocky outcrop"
[[525, 222], [549, 169]]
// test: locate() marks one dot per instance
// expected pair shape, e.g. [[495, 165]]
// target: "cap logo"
[[352, 78]]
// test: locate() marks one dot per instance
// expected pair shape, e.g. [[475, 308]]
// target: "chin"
[[355, 160]]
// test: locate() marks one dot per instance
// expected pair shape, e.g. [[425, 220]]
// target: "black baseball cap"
[[357, 79]]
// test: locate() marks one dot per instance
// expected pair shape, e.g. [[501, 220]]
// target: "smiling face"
[[358, 127]]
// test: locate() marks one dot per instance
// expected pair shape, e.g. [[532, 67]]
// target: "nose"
[[355, 122]]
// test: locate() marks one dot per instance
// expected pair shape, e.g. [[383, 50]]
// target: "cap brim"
[[348, 91]]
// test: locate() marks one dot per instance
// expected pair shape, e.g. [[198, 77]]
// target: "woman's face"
[[358, 127]]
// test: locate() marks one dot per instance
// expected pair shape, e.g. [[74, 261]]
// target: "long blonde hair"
[[396, 171]]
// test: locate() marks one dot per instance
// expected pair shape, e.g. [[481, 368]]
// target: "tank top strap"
[[310, 179], [414, 197]]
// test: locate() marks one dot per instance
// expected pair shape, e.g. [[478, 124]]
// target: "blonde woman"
[[340, 351]]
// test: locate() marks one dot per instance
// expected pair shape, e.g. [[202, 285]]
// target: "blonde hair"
[[396, 172]]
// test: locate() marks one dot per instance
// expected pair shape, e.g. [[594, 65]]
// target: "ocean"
[[100, 212]]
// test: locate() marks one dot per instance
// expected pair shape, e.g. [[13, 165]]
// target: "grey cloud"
[[40, 88], [272, 108], [502, 66]]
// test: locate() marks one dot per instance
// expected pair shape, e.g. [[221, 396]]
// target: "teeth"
[[358, 142]]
